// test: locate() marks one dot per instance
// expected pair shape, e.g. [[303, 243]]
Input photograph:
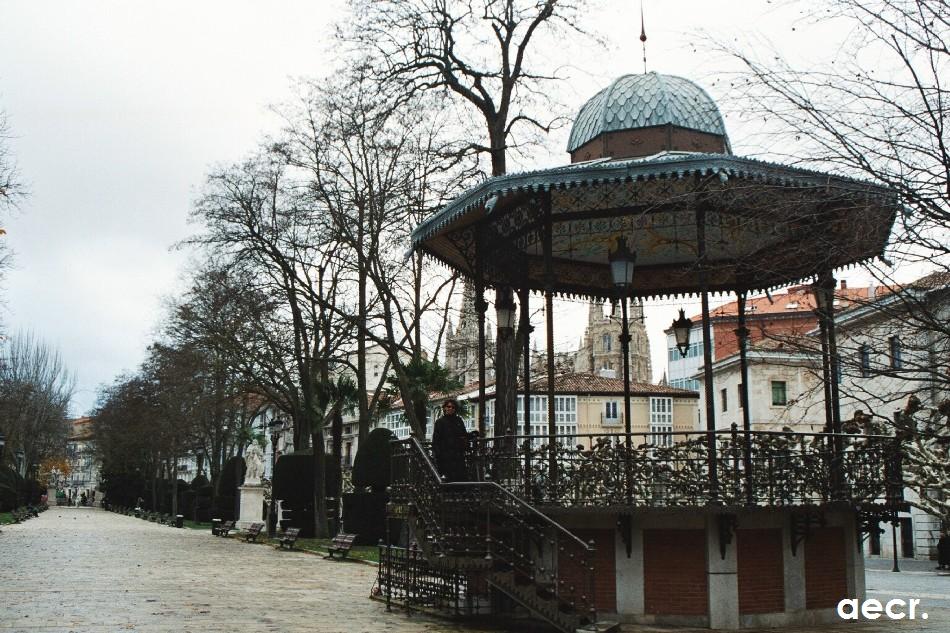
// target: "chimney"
[[844, 284], [872, 290]]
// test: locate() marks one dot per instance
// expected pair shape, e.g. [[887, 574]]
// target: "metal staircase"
[[487, 533]]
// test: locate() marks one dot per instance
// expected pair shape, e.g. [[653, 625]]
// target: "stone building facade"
[[599, 351]]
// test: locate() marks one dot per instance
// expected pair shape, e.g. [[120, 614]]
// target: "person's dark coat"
[[449, 441], [943, 551]]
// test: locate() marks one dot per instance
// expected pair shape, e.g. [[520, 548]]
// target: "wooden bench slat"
[[289, 538], [341, 544]]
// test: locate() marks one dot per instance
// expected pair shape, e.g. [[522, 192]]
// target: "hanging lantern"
[[505, 310], [622, 260], [681, 329]]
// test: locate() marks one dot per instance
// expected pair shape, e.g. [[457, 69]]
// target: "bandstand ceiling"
[[766, 225]]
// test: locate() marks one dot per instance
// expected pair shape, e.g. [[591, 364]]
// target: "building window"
[[894, 344], [779, 393], [608, 342], [661, 421], [864, 361], [695, 350], [724, 396], [565, 416], [610, 413], [741, 397]]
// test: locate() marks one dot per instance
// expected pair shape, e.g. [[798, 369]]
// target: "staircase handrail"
[[417, 445]]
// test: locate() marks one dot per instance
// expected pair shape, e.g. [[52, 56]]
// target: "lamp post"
[[276, 427], [622, 261], [20, 462], [3, 442], [506, 391]]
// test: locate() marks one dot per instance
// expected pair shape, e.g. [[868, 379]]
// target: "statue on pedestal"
[[254, 460]]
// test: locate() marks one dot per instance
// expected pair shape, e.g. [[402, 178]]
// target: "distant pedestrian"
[[449, 441], [943, 551]]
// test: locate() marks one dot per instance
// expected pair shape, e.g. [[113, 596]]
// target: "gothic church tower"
[[600, 351], [461, 345]]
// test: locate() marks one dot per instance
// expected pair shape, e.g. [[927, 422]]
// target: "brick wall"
[[826, 579], [761, 578], [674, 571], [605, 573]]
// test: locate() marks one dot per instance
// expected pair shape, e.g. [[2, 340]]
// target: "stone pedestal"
[[51, 497], [252, 504]]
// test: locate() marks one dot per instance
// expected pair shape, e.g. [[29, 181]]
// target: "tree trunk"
[[175, 486], [320, 529]]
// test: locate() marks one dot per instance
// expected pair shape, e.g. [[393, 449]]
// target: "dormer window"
[[792, 305]]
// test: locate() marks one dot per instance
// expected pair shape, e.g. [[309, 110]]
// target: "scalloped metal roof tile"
[[651, 99]]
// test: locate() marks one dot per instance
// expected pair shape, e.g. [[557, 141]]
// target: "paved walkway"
[[87, 571], [83, 570]]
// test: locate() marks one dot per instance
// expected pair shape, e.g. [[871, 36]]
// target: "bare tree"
[[35, 390], [878, 111], [259, 225], [486, 55], [483, 53], [374, 172], [11, 187]]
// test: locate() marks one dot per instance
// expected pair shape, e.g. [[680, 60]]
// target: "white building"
[[886, 354]]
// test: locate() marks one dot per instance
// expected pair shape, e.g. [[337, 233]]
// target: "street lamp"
[[681, 330], [20, 465], [276, 427], [622, 260], [505, 310]]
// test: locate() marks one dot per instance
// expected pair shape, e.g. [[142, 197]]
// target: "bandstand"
[[722, 528]]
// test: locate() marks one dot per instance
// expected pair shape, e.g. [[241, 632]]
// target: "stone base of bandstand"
[[728, 569], [252, 506]]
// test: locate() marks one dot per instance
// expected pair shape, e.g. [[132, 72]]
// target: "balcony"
[[647, 470], [611, 420]]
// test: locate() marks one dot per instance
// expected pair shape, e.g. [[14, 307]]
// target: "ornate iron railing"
[[406, 578], [480, 525], [673, 469]]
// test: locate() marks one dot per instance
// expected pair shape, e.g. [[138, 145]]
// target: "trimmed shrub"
[[10, 483], [293, 485], [364, 514], [232, 476], [371, 469], [223, 501]]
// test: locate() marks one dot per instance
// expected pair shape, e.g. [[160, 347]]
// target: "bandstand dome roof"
[[698, 218], [646, 100]]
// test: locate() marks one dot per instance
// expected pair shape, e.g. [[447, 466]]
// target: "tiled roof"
[[647, 100], [579, 383], [592, 383], [798, 299]]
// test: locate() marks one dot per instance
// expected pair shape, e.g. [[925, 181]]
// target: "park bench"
[[253, 531], [224, 529], [341, 545], [289, 538]]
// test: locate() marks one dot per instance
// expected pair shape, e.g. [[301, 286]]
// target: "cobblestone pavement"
[[89, 571]]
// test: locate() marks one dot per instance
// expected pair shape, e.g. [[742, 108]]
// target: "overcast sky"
[[118, 109]]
